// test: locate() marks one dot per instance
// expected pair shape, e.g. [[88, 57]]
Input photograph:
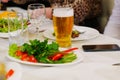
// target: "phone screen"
[[102, 47]]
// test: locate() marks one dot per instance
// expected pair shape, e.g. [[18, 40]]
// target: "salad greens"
[[42, 51], [12, 49], [4, 24]]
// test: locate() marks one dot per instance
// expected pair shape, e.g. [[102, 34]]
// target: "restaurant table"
[[94, 66]]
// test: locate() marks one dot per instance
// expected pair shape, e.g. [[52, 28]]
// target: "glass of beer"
[[63, 21]]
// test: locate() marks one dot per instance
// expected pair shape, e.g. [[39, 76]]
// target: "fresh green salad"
[[4, 24], [42, 52]]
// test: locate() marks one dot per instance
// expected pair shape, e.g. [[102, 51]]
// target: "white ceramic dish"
[[77, 52], [89, 33], [4, 35]]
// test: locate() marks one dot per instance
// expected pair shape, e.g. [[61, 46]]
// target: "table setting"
[[75, 63], [85, 33]]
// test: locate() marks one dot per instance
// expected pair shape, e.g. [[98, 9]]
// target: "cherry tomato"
[[9, 73], [25, 57], [32, 59], [19, 53]]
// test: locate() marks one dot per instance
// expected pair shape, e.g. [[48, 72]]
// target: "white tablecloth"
[[95, 66]]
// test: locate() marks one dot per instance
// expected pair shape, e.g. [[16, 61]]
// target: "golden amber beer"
[[63, 21]]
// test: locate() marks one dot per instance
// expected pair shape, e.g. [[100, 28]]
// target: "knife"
[[116, 64]]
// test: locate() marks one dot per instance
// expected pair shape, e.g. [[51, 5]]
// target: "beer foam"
[[63, 12]]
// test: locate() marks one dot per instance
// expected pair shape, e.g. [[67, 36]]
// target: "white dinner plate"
[[89, 33], [14, 33], [77, 52], [4, 35]]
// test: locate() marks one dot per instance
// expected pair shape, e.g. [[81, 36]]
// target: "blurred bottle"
[[2, 71], [3, 6]]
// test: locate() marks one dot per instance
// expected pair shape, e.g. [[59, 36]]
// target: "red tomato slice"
[[57, 56], [71, 49], [32, 59], [9, 73], [19, 53], [25, 57]]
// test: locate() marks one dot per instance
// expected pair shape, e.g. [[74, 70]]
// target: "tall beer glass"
[[63, 21]]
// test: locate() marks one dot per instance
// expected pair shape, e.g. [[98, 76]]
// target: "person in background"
[[86, 12], [3, 4], [24, 4], [4, 1], [112, 28]]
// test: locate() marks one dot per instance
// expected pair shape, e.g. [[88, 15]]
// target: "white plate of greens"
[[4, 27], [77, 52], [70, 58]]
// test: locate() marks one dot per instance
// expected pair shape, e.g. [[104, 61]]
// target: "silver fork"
[[81, 31]]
